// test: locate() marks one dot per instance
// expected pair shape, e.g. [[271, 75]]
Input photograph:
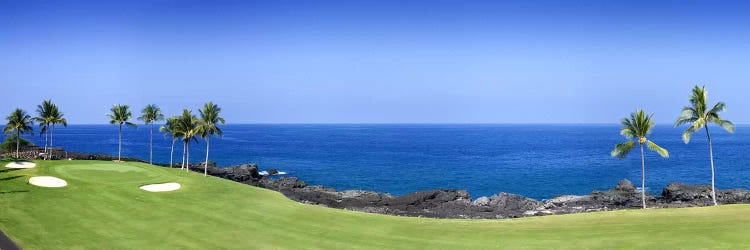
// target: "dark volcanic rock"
[[622, 196], [684, 193], [442, 203], [429, 199], [287, 183], [733, 196], [513, 203], [482, 201], [625, 186], [241, 173], [700, 195], [272, 171]]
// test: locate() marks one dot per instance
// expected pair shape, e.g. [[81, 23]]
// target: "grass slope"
[[102, 208]]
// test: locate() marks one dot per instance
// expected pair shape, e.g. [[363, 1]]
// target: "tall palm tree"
[[121, 116], [169, 129], [187, 127], [19, 122], [698, 116], [150, 114], [209, 121], [636, 128], [45, 118], [57, 118]]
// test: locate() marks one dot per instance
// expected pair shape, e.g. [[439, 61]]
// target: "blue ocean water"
[[539, 161]]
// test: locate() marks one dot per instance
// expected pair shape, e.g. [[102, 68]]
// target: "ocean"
[[538, 161]]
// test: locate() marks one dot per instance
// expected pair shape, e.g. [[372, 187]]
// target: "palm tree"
[[57, 118], [699, 117], [187, 128], [150, 114], [44, 118], [638, 126], [19, 122], [169, 129], [209, 121], [120, 115]]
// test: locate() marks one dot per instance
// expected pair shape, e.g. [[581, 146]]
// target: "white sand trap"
[[20, 164], [162, 187], [47, 181]]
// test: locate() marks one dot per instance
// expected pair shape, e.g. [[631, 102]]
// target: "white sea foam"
[[265, 173]]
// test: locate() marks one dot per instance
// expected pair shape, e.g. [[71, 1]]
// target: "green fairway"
[[103, 208]]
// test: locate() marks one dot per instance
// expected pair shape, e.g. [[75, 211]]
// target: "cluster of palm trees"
[[185, 127], [49, 115], [697, 116]]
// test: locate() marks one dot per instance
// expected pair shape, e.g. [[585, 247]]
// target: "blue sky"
[[377, 61]]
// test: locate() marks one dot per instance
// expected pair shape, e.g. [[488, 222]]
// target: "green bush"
[[10, 143]]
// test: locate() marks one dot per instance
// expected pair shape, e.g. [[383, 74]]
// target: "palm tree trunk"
[[171, 154], [119, 146], [187, 158], [151, 145], [205, 166], [643, 178], [51, 132], [18, 140], [183, 155], [46, 136], [711, 156]]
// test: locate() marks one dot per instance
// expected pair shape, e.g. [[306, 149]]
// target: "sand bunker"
[[47, 181], [20, 164], [162, 187]]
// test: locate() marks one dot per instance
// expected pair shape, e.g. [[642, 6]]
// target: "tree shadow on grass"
[[9, 170], [13, 191], [11, 177]]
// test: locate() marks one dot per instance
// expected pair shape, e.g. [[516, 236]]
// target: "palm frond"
[[688, 115], [698, 99], [210, 119], [727, 125], [186, 126], [658, 149], [689, 133], [150, 114], [120, 114], [698, 116], [719, 107], [19, 121], [638, 125], [622, 149]]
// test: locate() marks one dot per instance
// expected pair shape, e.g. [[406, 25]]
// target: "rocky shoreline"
[[447, 203]]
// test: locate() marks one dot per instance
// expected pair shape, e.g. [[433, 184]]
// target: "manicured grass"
[[102, 208]]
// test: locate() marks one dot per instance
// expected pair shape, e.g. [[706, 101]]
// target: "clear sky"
[[377, 61]]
